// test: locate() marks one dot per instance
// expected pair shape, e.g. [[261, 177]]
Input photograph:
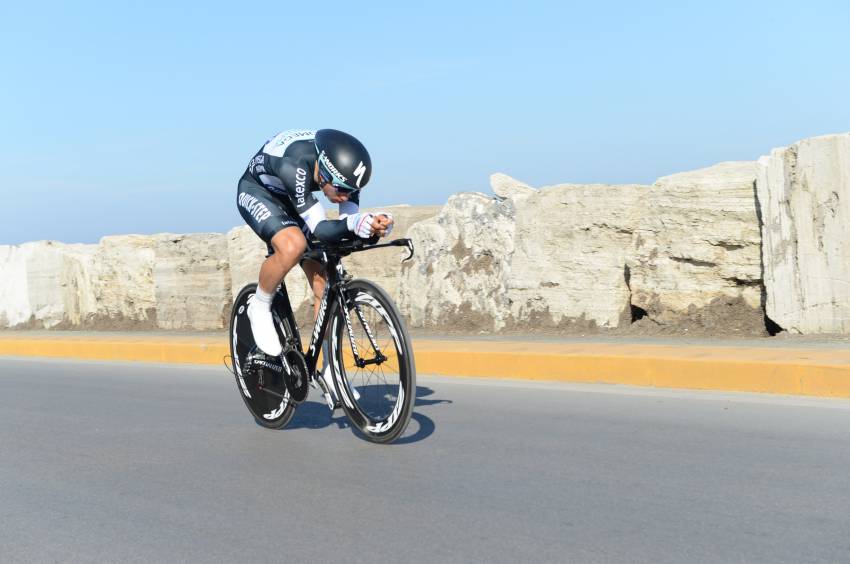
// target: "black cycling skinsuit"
[[276, 190]]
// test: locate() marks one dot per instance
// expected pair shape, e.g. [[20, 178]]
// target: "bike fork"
[[361, 363]]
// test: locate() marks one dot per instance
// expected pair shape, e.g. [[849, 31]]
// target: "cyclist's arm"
[[333, 230], [325, 230], [381, 222], [363, 225], [350, 221]]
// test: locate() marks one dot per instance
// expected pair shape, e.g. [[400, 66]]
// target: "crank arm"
[[274, 393]]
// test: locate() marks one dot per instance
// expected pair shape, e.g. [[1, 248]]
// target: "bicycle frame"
[[334, 290]]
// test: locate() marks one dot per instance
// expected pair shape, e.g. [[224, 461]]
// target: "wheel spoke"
[[376, 383], [385, 390]]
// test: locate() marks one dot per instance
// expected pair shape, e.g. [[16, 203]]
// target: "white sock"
[[263, 297]]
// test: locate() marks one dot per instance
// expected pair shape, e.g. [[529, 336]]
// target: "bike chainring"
[[295, 374]]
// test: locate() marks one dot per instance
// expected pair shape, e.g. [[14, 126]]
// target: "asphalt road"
[[106, 462]]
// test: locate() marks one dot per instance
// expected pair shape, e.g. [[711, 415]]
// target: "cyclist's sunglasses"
[[326, 177]]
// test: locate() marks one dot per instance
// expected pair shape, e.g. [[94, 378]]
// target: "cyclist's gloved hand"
[[360, 224], [384, 223]]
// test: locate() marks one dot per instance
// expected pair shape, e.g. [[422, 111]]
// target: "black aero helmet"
[[343, 160]]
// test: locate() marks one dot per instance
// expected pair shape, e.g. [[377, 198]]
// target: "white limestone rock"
[[804, 194], [504, 186], [552, 259], [571, 246], [245, 252], [699, 245], [576, 257], [122, 283], [75, 272], [192, 281], [458, 277], [44, 284], [561, 257], [15, 308]]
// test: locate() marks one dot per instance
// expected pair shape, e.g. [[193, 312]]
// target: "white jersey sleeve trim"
[[277, 145], [314, 215], [347, 208]]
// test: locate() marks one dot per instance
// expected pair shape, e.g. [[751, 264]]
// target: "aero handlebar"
[[348, 246]]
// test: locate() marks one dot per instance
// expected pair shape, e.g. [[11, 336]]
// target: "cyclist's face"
[[334, 195]]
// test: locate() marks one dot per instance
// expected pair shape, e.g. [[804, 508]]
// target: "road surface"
[[130, 462]]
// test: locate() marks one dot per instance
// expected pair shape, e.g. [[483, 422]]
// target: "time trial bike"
[[370, 353]]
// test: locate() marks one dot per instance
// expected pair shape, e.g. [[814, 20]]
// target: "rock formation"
[[804, 195], [44, 284], [585, 257], [123, 288], [125, 282], [192, 281], [710, 250], [697, 250], [573, 243], [458, 277]]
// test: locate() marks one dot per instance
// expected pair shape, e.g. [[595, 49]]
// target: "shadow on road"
[[316, 415]]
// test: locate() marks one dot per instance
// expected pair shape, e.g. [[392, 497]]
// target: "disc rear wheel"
[[258, 379]]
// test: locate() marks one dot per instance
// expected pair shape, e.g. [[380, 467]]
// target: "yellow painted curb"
[[170, 351], [813, 372]]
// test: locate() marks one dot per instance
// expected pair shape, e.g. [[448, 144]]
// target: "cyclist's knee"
[[289, 244]]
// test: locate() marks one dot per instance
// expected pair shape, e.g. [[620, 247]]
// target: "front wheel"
[[372, 362]]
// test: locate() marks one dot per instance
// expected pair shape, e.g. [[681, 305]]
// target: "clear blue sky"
[[139, 117]]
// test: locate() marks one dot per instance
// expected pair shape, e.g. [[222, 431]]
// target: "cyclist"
[[275, 197]]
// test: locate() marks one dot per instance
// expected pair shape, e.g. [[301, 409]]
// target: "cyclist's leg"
[[289, 245], [317, 278], [263, 213], [272, 222]]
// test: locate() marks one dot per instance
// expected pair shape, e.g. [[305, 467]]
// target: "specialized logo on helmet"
[[323, 158], [359, 172]]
